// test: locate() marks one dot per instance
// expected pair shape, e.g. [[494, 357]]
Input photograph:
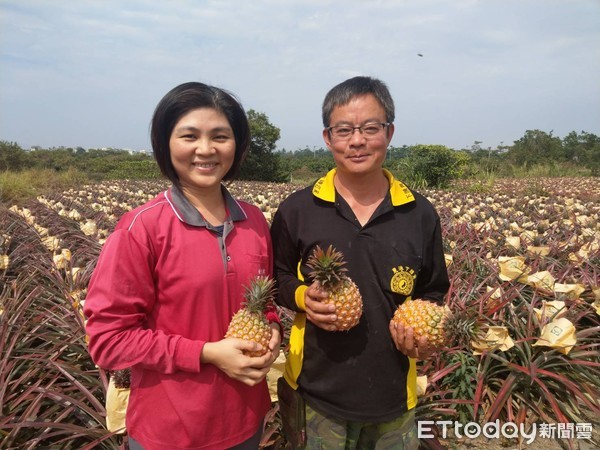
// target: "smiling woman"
[[155, 307], [202, 153]]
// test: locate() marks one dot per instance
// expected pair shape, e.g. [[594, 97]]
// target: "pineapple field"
[[524, 263]]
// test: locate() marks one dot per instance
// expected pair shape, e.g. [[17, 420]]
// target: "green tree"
[[536, 147], [56, 158], [583, 149], [12, 157], [485, 161], [262, 164]]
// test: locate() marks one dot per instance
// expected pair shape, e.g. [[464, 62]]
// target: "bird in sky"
[[420, 54]]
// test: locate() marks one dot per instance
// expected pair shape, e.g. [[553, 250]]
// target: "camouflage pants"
[[328, 433]]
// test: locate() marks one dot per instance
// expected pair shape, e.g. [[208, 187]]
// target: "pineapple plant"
[[121, 378], [250, 322], [327, 270], [426, 319], [463, 326]]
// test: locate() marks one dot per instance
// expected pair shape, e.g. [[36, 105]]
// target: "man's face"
[[359, 153]]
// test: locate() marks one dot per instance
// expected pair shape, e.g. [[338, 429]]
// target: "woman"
[[171, 276]]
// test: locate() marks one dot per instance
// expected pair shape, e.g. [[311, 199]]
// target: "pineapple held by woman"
[[343, 292], [250, 322], [426, 319]]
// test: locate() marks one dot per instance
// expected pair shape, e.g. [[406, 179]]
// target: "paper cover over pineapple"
[[117, 399]]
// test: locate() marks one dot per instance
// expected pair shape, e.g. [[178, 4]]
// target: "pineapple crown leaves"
[[259, 293], [327, 267]]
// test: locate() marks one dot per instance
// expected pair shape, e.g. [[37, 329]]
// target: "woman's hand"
[[227, 355], [320, 314], [406, 342]]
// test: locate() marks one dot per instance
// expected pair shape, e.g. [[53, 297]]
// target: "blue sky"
[[89, 73]]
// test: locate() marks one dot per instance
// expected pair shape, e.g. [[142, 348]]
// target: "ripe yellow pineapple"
[[250, 322], [426, 319], [343, 292]]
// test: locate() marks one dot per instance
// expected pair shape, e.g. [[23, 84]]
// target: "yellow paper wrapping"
[[541, 280], [89, 228], [496, 292], [61, 260], [275, 372], [571, 290], [448, 258], [558, 334], [528, 235], [585, 251], [591, 246], [495, 295], [421, 385], [52, 243], [43, 232], [497, 338], [596, 305], [513, 241], [75, 272], [514, 226], [116, 407], [513, 268], [543, 250], [550, 310]]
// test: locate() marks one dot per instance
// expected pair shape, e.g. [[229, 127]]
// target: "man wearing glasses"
[[359, 385]]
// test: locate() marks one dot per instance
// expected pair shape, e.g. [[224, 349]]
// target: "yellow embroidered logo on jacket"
[[403, 280]]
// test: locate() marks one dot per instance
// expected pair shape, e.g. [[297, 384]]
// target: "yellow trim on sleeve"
[[411, 384], [293, 365], [299, 296], [300, 276]]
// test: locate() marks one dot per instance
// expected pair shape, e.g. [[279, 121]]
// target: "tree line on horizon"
[[421, 165]]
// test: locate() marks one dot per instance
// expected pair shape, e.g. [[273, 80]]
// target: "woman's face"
[[202, 147]]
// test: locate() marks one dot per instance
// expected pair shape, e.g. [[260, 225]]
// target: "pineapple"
[[250, 322], [426, 319], [343, 292], [121, 378]]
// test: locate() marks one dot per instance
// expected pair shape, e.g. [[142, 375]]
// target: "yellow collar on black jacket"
[[399, 193]]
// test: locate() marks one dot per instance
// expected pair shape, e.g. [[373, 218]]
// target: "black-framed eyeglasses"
[[368, 130]]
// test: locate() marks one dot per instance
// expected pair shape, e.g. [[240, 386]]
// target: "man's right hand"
[[320, 314]]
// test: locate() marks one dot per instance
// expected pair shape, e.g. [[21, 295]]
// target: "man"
[[359, 385]]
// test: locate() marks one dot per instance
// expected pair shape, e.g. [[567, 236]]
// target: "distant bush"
[[433, 166], [546, 169], [18, 187], [145, 169]]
